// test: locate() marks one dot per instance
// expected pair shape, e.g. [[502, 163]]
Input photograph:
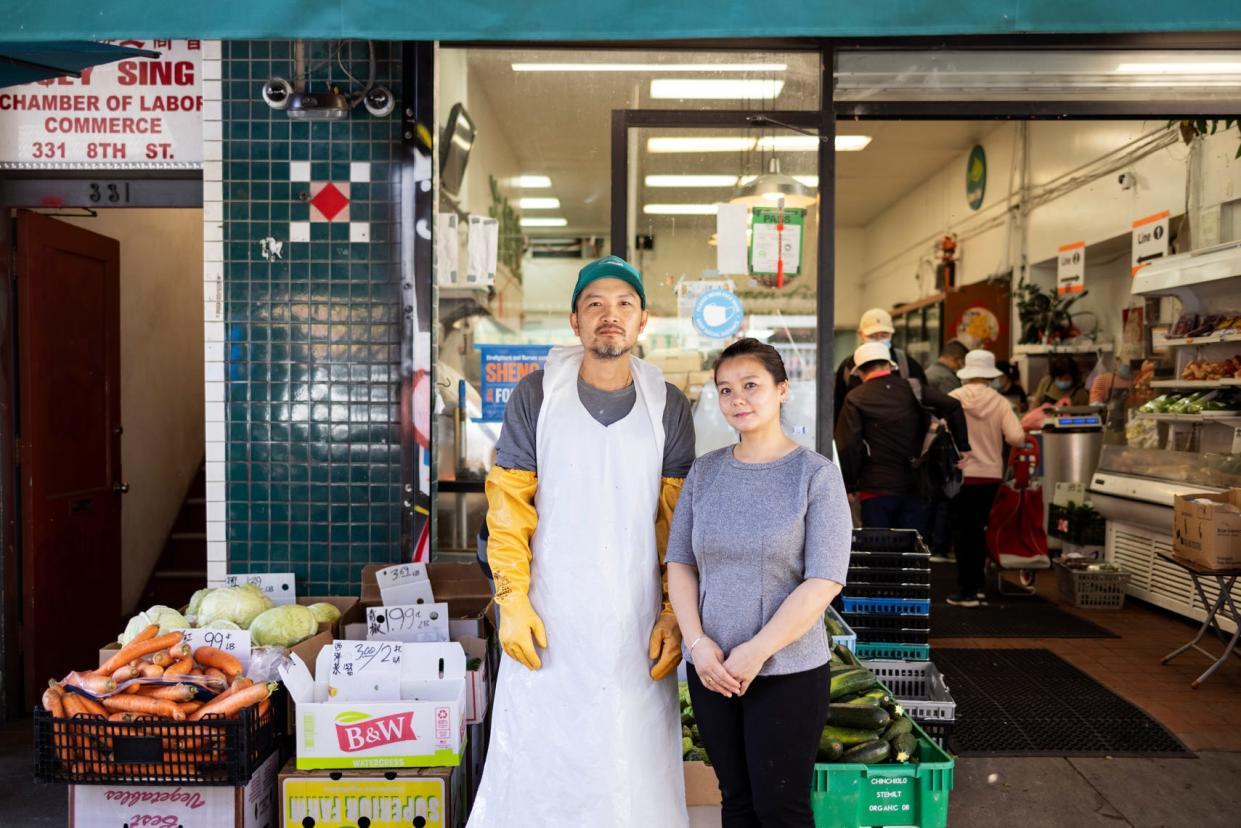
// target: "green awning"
[[27, 62], [602, 20]]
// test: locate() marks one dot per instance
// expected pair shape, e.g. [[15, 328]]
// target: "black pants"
[[763, 746], [970, 510]]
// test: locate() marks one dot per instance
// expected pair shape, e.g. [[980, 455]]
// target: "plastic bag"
[[265, 663]]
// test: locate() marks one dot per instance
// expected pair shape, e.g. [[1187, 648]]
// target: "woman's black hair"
[[768, 356], [1062, 365]]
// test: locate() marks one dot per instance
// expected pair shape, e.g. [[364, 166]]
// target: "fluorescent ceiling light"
[[738, 143], [691, 181], [538, 203], [680, 209], [852, 143], [533, 181], [1232, 68], [649, 67], [735, 89], [544, 222], [788, 142]]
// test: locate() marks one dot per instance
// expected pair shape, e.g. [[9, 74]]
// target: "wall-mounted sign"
[[718, 314], [139, 113], [1150, 240], [775, 239], [503, 367], [1071, 268], [976, 177]]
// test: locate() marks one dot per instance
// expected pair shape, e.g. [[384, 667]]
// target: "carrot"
[[190, 706], [144, 704], [73, 705], [163, 658], [170, 692], [228, 704], [215, 672], [180, 651], [140, 647], [149, 670], [180, 668], [93, 707], [52, 701], [98, 683], [222, 661], [264, 706], [126, 673], [121, 717]]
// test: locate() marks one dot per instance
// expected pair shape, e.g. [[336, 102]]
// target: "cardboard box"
[[702, 786], [477, 681], [185, 806], [1209, 533], [387, 799], [425, 728]]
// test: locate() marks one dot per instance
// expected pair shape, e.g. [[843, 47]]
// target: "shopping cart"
[[1016, 539]]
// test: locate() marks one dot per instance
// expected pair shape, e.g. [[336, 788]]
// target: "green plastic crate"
[[882, 650], [853, 795]]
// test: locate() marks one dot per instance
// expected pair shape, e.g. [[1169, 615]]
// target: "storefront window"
[[1041, 75]]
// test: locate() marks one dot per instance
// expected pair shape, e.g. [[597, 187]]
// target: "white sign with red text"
[[135, 113]]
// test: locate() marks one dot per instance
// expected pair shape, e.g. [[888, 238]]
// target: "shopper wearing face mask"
[[876, 326], [1062, 386], [1009, 386], [1106, 384]]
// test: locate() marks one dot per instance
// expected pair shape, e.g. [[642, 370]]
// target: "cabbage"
[[283, 626], [241, 605], [196, 600], [167, 618], [325, 613], [223, 624]]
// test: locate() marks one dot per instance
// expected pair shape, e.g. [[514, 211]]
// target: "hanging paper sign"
[[773, 240], [1071, 268], [278, 586], [718, 314], [138, 113], [1150, 240], [233, 642], [503, 367], [412, 623]]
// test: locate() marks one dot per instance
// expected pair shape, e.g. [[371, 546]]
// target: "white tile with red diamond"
[[328, 202]]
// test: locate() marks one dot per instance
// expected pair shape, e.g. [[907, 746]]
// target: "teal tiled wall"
[[314, 337]]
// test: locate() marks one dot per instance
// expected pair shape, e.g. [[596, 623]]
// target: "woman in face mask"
[[1062, 385], [1106, 384]]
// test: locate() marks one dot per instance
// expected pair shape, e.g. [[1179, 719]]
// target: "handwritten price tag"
[[364, 671], [278, 586], [233, 642], [405, 584], [414, 623]]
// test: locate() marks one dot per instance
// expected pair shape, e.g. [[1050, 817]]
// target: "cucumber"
[[856, 699], [900, 726], [859, 716], [834, 627], [854, 681], [837, 669], [868, 753], [905, 747], [830, 750], [880, 696], [846, 655], [847, 736]]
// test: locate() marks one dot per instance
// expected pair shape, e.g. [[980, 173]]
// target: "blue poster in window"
[[718, 314], [503, 367]]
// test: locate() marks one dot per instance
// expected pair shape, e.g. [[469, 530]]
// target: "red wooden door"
[[69, 410]]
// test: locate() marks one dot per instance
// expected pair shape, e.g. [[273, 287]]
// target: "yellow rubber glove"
[[511, 520], [665, 646]]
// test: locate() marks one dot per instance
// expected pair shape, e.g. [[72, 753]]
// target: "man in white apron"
[[586, 727]]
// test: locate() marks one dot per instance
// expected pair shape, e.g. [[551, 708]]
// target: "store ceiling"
[[558, 124]]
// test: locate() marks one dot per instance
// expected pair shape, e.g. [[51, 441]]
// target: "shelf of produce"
[[1225, 417], [1209, 339], [1196, 385], [1041, 350]]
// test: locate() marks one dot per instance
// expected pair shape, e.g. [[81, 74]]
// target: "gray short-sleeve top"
[[755, 532]]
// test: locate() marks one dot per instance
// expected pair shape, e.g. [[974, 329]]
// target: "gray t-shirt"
[[517, 447], [755, 532]]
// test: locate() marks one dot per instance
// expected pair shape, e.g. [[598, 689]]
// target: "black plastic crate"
[[885, 621], [893, 636], [940, 731], [888, 540], [866, 590], [859, 559], [889, 575], [1076, 528], [89, 750]]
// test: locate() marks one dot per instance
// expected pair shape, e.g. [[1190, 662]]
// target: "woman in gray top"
[[759, 547]]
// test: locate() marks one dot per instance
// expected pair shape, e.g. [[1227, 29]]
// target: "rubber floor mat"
[[1034, 703], [1021, 616]]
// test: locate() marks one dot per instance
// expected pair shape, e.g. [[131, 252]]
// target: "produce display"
[[238, 608], [1194, 324], [1197, 403], [866, 725], [1203, 369]]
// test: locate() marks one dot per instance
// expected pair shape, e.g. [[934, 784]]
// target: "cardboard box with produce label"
[[379, 704], [184, 806], [1206, 529], [430, 797]]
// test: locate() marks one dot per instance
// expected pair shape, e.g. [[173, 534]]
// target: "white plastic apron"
[[590, 741]]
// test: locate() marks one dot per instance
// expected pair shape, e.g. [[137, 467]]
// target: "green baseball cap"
[[609, 267]]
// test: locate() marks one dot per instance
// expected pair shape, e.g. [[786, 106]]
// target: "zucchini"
[[868, 753], [856, 699], [900, 726], [837, 669], [880, 696], [854, 681], [846, 655], [859, 716], [830, 750], [905, 747], [834, 627], [847, 736]]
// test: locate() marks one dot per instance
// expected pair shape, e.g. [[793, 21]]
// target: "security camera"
[[1127, 181], [276, 93], [379, 101]]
